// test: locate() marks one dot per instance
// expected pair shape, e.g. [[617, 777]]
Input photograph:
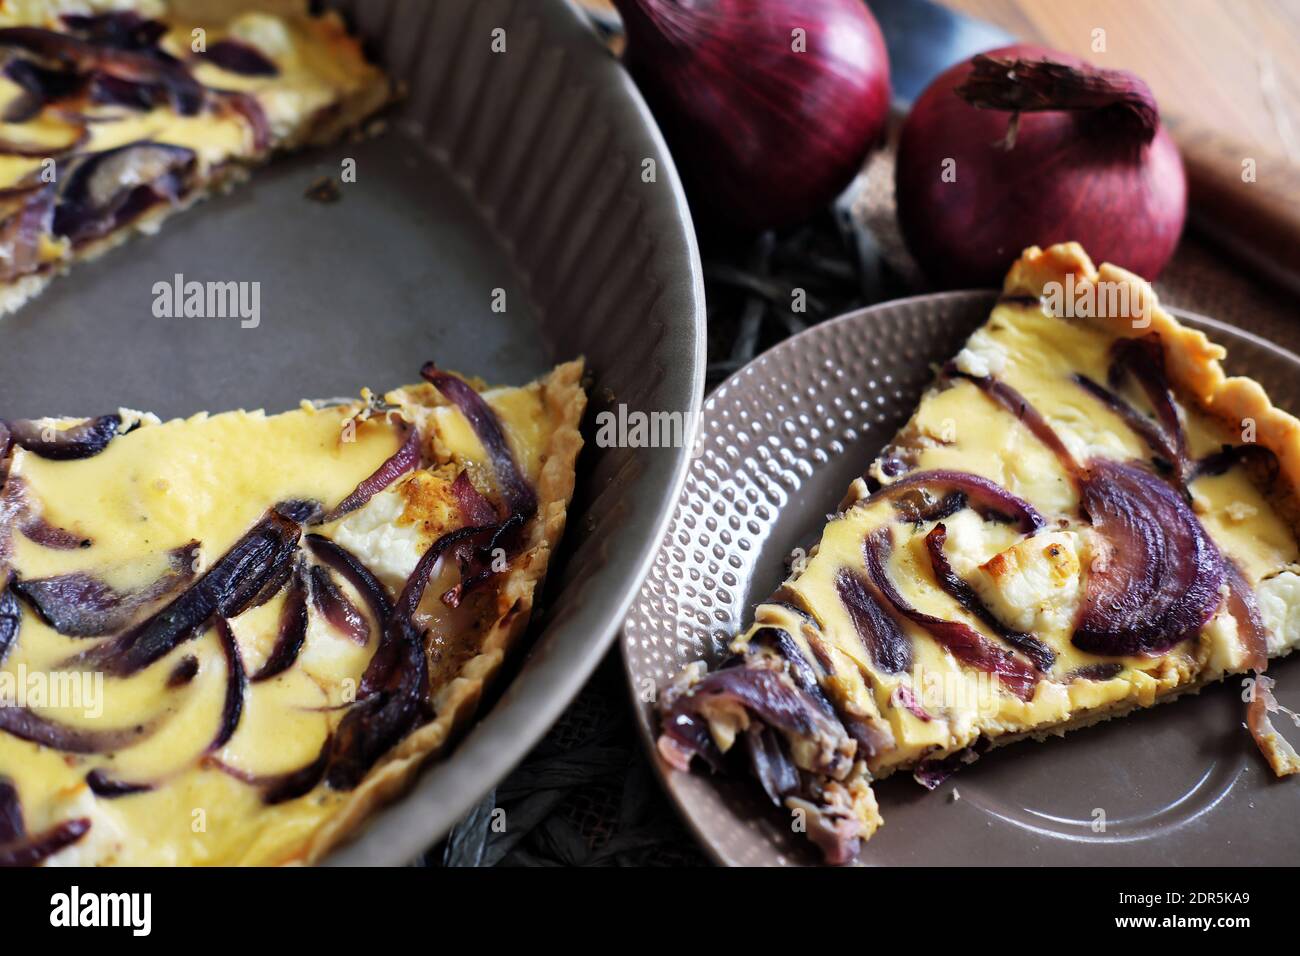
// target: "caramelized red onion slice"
[[335, 607], [964, 642], [79, 604], [916, 509], [684, 737], [1107, 670], [390, 710], [11, 813], [1159, 582], [26, 215], [769, 761], [1144, 359], [931, 773], [781, 714], [106, 190], [28, 725], [277, 788], [40, 86], [987, 497], [1015, 403], [248, 107], [395, 682], [37, 529], [358, 575], [1277, 750], [515, 489], [110, 788], [19, 849], [120, 29], [18, 511], [780, 641], [408, 601], [406, 458], [479, 563], [770, 697], [474, 508], [388, 652], [1257, 457], [274, 585], [832, 828], [301, 510], [227, 589], [11, 618], [295, 783], [234, 56], [890, 649], [903, 697], [1157, 439], [236, 686], [292, 629], [959, 590], [186, 669], [94, 55], [80, 441], [30, 851]]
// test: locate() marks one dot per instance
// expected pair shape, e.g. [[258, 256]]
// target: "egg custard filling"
[[1082, 517], [226, 639], [115, 115]]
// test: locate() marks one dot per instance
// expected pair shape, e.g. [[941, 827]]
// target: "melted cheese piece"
[[1033, 583], [210, 478]]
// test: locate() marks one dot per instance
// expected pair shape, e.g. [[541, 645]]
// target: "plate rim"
[[644, 725]]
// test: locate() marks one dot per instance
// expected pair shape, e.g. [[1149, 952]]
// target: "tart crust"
[[456, 703]]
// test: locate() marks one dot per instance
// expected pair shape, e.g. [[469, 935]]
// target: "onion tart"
[[113, 119], [227, 639], [1084, 516]]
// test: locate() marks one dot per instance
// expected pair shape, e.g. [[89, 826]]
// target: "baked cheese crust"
[[230, 743], [964, 595]]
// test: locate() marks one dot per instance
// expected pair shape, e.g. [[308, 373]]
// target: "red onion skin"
[[764, 136], [1059, 183]]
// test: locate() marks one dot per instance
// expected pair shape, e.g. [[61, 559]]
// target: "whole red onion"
[[769, 106], [1025, 146]]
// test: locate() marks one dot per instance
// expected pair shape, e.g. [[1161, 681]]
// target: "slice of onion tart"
[[113, 120], [1084, 516], [226, 639]]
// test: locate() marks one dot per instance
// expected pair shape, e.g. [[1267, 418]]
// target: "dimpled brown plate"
[[1180, 784]]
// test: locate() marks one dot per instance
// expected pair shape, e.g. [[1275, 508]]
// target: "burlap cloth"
[[587, 794]]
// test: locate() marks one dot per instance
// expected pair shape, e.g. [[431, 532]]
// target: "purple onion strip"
[[515, 489], [292, 633], [80, 441], [983, 495], [960, 591], [406, 458], [236, 686]]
